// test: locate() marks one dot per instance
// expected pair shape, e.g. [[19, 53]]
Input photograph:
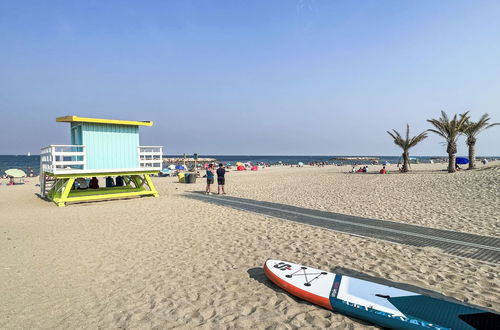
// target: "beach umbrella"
[[15, 173], [172, 167], [179, 167], [239, 164], [300, 164], [462, 161], [254, 168]]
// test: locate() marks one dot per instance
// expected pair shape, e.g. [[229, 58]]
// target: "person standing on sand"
[[221, 180], [210, 179]]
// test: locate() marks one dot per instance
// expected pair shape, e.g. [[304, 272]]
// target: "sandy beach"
[[176, 263]]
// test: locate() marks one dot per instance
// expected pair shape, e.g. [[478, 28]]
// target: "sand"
[[173, 262]]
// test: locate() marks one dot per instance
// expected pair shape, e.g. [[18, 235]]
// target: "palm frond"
[[438, 132], [444, 117], [407, 143], [448, 128], [472, 129], [416, 139]]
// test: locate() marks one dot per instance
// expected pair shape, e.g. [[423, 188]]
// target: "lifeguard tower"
[[99, 148]]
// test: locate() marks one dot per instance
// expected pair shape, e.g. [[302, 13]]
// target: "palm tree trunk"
[[451, 163], [406, 162], [472, 156]]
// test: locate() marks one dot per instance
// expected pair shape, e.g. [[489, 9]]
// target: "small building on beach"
[[99, 148]]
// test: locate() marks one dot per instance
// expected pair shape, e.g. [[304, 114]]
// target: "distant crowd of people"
[[364, 169], [319, 164]]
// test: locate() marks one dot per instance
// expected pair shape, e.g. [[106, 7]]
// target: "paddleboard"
[[376, 303]]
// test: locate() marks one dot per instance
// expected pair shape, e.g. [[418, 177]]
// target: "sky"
[[250, 77]]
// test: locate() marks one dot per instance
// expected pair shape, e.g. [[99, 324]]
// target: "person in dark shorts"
[[210, 179], [221, 180]]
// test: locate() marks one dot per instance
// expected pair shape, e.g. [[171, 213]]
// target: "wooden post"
[[65, 192]]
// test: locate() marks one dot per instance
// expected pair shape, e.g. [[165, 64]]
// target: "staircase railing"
[[57, 158]]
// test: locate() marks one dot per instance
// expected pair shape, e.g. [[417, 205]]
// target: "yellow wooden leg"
[[136, 179], [151, 185], [127, 180], [66, 189]]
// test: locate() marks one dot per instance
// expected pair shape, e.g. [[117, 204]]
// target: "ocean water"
[[293, 159], [26, 163]]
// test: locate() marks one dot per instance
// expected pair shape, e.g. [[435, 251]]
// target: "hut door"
[[76, 135], [76, 139]]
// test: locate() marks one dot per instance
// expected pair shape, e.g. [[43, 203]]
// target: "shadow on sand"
[[484, 248]]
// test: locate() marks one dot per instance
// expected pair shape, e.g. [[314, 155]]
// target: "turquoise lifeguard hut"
[[99, 148]]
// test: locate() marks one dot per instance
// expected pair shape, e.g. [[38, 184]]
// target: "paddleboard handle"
[[383, 296]]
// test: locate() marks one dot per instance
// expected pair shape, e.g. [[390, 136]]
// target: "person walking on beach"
[[221, 180], [210, 179]]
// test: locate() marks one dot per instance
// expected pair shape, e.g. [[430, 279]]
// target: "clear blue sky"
[[249, 77]]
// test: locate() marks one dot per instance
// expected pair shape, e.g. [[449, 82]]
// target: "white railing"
[[150, 157], [62, 157], [57, 158]]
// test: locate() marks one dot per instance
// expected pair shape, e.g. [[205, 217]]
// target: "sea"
[[28, 163]]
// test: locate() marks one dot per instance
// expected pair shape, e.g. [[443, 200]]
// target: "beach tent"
[[255, 168], [462, 161], [172, 167], [166, 172], [179, 167], [300, 164], [241, 168]]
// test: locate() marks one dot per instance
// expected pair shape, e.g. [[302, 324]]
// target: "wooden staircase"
[[46, 183]]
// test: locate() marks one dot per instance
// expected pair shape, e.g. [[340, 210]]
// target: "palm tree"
[[471, 130], [450, 130], [406, 144]]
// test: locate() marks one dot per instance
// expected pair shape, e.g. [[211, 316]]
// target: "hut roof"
[[76, 119]]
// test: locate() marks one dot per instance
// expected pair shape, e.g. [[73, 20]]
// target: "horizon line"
[[287, 155]]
